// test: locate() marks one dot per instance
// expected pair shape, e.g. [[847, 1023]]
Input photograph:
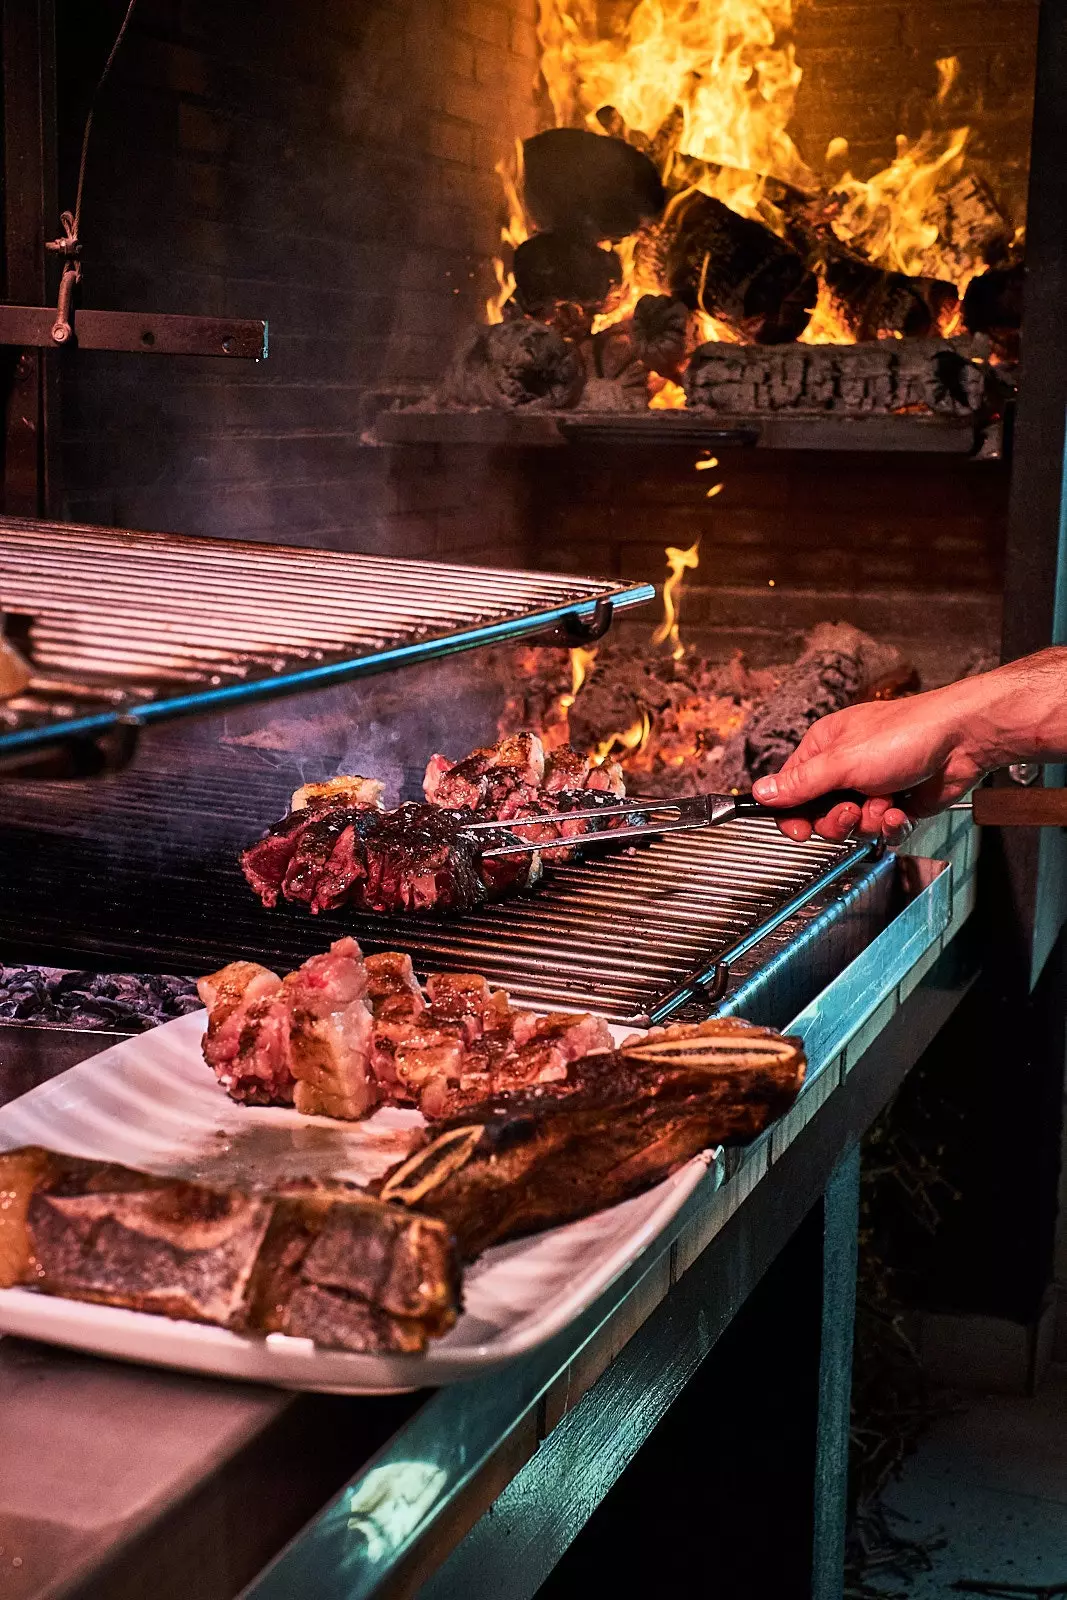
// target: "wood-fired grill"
[[125, 627]]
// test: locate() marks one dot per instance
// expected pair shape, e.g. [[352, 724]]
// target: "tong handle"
[[1020, 808], [811, 810]]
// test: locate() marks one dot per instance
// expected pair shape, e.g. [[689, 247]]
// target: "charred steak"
[[614, 1125], [337, 847], [328, 1264]]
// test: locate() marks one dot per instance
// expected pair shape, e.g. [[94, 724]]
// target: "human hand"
[[910, 757]]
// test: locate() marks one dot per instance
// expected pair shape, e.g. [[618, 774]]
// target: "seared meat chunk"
[[247, 1040], [330, 1034]]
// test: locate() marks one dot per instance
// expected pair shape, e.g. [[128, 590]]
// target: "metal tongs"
[[656, 817], [990, 808]]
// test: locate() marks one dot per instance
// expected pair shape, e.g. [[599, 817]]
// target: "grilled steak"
[[328, 1264], [338, 847], [341, 1035], [615, 1125]]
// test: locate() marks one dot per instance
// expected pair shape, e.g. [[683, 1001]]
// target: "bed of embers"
[[687, 723], [530, 1122]]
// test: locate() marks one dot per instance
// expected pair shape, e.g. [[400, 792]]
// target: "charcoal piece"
[[660, 333], [993, 304], [871, 303], [588, 184], [557, 269], [820, 682], [515, 365], [125, 1001], [615, 1125], [736, 269]]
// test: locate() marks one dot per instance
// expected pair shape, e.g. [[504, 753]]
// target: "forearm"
[[1014, 713]]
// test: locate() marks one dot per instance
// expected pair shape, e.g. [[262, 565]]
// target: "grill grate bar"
[[164, 624]]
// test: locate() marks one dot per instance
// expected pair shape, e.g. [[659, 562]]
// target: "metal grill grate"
[[142, 626], [143, 878]]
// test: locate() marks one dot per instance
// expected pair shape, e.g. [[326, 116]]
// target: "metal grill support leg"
[[840, 1249]]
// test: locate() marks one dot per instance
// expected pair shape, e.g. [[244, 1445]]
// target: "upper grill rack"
[[125, 627]]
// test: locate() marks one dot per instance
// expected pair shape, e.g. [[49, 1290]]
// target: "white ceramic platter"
[[150, 1102]]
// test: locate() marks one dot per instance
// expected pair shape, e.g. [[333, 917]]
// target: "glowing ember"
[[679, 562]]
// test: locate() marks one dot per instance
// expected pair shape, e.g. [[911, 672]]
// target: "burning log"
[[734, 269], [993, 304], [588, 184], [661, 332], [946, 377], [870, 303], [556, 271], [521, 364]]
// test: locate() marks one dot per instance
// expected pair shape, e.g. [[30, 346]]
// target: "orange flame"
[[679, 562], [514, 232], [708, 89], [581, 661], [632, 742]]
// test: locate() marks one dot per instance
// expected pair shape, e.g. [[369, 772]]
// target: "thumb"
[[797, 784]]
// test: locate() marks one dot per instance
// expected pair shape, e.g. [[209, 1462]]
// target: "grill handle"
[[1020, 808]]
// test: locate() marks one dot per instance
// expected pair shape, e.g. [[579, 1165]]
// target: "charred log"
[[556, 270], [871, 303], [735, 269], [588, 184], [660, 332], [946, 377], [993, 304], [521, 364]]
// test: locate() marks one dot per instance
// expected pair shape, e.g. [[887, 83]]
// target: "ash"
[[125, 1001]]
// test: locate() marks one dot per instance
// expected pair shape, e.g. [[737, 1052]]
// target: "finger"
[[896, 825], [796, 828], [839, 823], [874, 811], [795, 785]]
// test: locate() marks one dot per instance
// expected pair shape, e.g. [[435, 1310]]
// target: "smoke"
[[384, 728]]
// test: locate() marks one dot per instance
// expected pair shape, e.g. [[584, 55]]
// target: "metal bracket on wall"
[[134, 332]]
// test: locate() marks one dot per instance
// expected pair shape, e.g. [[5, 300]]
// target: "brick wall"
[[869, 74], [909, 547], [328, 166]]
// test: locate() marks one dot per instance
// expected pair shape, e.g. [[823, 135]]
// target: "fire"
[[512, 234], [679, 562], [632, 742], [670, 398], [708, 88], [581, 661], [707, 80]]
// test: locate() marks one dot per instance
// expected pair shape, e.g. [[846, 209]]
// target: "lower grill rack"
[[640, 936]]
